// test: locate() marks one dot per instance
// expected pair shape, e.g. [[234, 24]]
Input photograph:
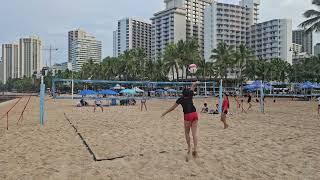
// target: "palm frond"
[[311, 13]]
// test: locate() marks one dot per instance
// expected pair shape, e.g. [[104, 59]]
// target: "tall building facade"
[[317, 49], [83, 50], [130, 34], [228, 23], [182, 19], [30, 56], [72, 36], [272, 39], [21, 60], [9, 66], [305, 39]]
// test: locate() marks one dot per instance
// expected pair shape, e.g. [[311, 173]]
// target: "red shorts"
[[191, 116]]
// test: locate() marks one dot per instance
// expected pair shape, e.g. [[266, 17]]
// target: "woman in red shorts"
[[190, 117], [225, 107]]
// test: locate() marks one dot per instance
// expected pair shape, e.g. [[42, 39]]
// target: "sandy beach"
[[283, 143]]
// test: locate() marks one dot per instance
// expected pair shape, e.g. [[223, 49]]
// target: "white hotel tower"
[[228, 23], [181, 20]]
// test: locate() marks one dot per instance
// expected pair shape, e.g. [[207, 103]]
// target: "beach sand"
[[283, 143]]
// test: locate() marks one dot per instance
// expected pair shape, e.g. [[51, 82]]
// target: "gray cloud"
[[51, 20]]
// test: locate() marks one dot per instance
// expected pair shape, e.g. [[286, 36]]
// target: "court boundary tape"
[[94, 157]]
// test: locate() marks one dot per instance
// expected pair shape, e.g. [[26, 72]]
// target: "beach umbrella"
[[128, 91], [108, 92], [87, 92], [171, 91], [160, 91], [138, 90], [306, 85], [257, 85], [118, 87]]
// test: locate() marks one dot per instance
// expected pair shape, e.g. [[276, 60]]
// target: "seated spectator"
[[205, 108]]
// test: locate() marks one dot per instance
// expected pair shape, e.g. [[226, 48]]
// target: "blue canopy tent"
[[306, 85], [172, 91], [87, 92], [160, 91], [108, 92], [256, 85], [128, 91]]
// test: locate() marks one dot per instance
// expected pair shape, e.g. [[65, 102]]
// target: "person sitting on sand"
[[212, 111], [205, 108], [190, 118], [83, 102], [225, 107], [98, 103], [144, 103]]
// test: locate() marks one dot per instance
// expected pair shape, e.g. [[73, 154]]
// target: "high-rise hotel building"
[[272, 39], [228, 23], [130, 34], [30, 56], [9, 66], [23, 59], [82, 49], [304, 39], [181, 20]]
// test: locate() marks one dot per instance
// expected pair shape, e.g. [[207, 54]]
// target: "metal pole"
[[220, 97], [261, 98], [72, 86], [205, 89], [42, 92]]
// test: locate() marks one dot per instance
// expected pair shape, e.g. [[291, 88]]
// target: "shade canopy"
[[257, 85], [128, 91], [87, 92], [117, 87], [108, 92], [171, 90], [138, 90], [160, 91]]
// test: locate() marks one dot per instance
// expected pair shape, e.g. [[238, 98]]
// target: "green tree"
[[313, 21], [223, 60]]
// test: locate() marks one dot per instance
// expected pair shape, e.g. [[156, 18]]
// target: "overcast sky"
[[52, 19]]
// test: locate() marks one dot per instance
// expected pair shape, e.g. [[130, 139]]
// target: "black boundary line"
[[87, 145], [92, 153]]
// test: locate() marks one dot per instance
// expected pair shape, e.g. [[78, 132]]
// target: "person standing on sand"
[[225, 107], [190, 118], [144, 103], [97, 103], [249, 101]]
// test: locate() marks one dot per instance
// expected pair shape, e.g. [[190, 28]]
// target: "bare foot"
[[188, 156], [226, 126], [195, 154]]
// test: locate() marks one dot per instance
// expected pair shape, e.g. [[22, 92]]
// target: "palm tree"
[[222, 59], [242, 55], [313, 22], [171, 59]]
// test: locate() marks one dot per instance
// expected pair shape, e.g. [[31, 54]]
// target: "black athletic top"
[[187, 104], [249, 98]]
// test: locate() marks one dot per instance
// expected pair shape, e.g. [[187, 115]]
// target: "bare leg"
[[187, 126], [141, 106], [145, 105], [94, 109], [250, 105], [224, 120], [318, 109], [101, 108], [194, 129]]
